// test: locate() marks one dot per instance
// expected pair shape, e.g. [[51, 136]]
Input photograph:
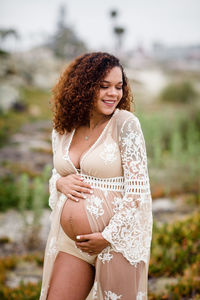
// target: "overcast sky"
[[173, 22]]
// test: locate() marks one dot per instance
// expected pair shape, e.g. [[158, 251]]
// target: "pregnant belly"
[[74, 219]]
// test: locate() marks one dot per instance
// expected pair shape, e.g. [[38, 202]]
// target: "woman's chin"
[[108, 110]]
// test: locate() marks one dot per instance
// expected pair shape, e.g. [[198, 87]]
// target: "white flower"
[[111, 296], [94, 206], [109, 153], [118, 203], [105, 255]]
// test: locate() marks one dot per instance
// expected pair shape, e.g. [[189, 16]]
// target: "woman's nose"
[[112, 91]]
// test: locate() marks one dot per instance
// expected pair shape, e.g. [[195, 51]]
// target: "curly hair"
[[78, 87]]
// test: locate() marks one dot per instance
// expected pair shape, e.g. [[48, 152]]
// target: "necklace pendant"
[[86, 137]]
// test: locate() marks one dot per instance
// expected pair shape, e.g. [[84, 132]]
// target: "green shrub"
[[29, 291], [173, 151], [10, 122], [6, 263], [188, 285], [182, 92], [24, 193], [175, 247], [9, 197]]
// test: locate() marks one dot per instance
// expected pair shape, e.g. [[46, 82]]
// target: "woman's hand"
[[92, 243], [73, 187]]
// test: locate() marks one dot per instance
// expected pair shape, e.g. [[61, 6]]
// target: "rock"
[[163, 205], [26, 272], [29, 149], [8, 97], [158, 285], [43, 79], [39, 67], [12, 225]]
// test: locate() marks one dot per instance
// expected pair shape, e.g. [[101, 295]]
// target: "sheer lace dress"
[[120, 207]]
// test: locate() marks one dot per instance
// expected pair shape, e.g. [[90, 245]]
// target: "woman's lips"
[[109, 102]]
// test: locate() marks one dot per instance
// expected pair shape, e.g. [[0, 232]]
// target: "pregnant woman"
[[101, 221]]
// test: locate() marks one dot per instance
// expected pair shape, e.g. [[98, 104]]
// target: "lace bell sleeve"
[[54, 193], [130, 229]]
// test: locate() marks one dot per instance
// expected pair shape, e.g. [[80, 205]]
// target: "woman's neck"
[[98, 119]]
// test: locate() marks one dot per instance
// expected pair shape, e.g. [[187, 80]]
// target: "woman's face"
[[110, 92]]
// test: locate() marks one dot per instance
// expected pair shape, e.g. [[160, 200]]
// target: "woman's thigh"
[[72, 278]]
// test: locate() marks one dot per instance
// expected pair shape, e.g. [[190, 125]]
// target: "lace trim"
[[137, 186], [105, 255], [111, 184], [130, 229], [109, 295], [141, 296]]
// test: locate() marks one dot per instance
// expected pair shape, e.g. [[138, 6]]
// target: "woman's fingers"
[[85, 185], [75, 196], [74, 187], [71, 197], [83, 190], [77, 180], [81, 182], [75, 193]]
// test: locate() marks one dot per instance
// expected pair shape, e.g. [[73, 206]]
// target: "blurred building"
[[177, 57]]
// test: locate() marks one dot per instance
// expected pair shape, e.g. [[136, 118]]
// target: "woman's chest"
[[79, 145], [101, 159]]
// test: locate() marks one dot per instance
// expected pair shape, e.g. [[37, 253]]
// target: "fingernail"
[[91, 192], [77, 200], [78, 237], [84, 197]]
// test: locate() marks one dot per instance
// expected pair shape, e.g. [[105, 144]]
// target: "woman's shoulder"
[[57, 137], [124, 116], [58, 134]]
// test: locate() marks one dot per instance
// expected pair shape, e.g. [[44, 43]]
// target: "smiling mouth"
[[109, 101]]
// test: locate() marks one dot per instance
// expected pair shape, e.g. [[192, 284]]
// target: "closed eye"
[[105, 87]]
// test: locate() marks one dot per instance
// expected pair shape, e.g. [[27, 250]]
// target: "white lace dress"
[[120, 207]]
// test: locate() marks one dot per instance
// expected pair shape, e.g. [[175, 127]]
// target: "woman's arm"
[[72, 186], [129, 230]]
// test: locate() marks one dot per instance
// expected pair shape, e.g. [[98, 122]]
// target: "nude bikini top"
[[102, 159]]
